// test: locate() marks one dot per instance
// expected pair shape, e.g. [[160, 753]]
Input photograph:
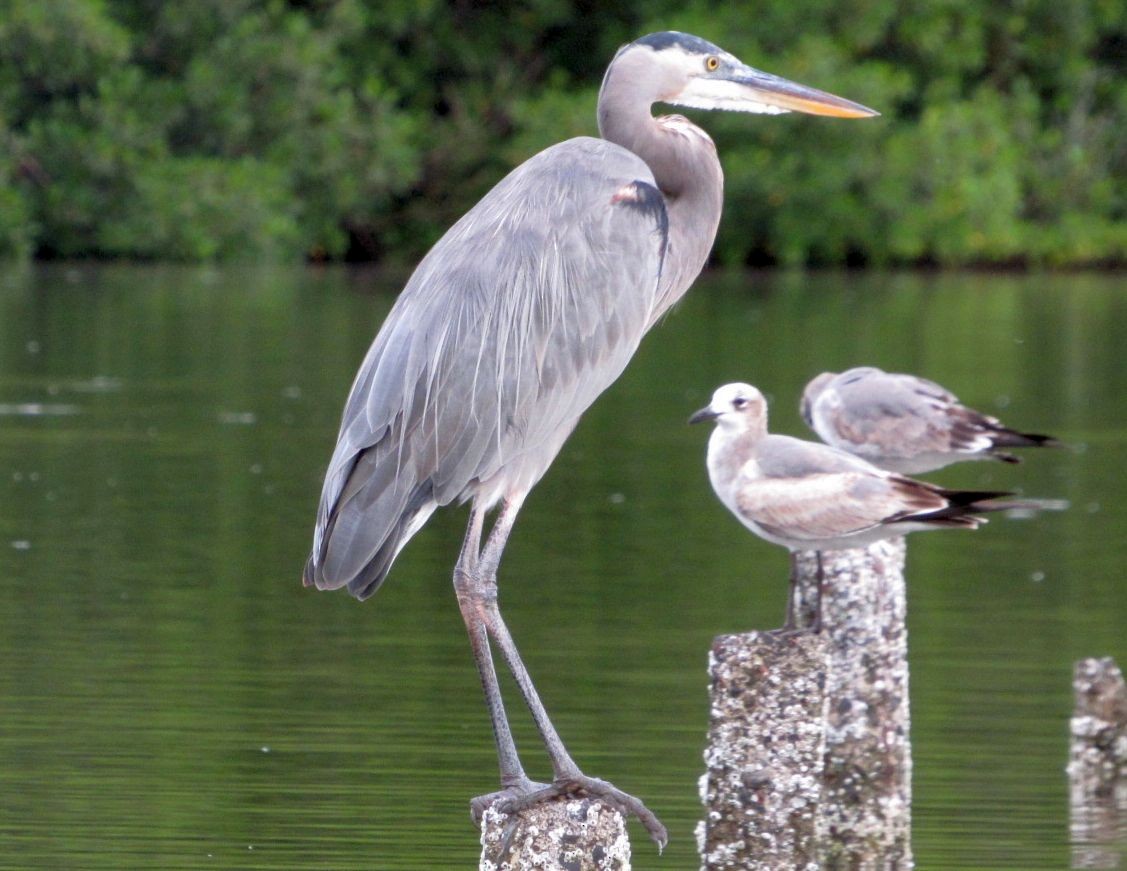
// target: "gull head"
[[735, 406], [811, 393]]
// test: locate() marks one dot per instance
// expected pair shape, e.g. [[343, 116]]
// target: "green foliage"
[[204, 208], [16, 226], [222, 129], [996, 143]]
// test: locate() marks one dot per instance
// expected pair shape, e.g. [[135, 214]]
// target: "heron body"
[[517, 319], [482, 367], [905, 423]]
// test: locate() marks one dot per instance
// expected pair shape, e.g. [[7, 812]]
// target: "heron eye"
[[711, 63]]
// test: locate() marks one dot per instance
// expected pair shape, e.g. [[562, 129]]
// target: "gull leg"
[[791, 622], [817, 627]]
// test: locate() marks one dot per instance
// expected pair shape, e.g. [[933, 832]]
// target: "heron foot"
[[514, 799], [482, 803]]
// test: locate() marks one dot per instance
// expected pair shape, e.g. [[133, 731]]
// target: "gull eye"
[[739, 402], [712, 63]]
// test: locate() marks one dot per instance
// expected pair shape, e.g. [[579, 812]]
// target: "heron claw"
[[514, 799]]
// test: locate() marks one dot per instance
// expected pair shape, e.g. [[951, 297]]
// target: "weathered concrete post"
[[843, 691], [567, 834], [1097, 765], [865, 814], [765, 752]]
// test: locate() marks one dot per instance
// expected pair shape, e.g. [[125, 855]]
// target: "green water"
[[170, 696]]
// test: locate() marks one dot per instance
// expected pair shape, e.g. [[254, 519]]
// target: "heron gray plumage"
[[809, 496], [905, 423], [516, 320]]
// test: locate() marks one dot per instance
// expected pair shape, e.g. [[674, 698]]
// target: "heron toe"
[[480, 804], [514, 799]]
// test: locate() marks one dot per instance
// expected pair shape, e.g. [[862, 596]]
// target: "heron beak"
[[783, 94], [704, 414]]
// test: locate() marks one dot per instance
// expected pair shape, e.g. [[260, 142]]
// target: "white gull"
[[905, 423]]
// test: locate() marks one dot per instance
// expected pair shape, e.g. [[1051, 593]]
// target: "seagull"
[[808, 496], [905, 423]]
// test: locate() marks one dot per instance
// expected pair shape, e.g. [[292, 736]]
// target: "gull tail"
[[962, 508]]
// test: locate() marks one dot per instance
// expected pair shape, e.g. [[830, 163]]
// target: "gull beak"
[[704, 414]]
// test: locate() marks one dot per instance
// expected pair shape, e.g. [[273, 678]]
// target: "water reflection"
[[155, 636], [1097, 765]]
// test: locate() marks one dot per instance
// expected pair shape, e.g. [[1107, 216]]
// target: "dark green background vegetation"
[[359, 129]]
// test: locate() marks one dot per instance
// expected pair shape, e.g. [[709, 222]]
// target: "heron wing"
[[527, 309]]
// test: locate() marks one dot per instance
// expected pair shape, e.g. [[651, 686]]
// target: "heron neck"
[[680, 154], [683, 161]]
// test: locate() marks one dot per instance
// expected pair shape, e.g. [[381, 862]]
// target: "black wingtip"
[[971, 498], [1012, 438]]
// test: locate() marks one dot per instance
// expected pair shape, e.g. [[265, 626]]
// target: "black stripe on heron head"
[[674, 39]]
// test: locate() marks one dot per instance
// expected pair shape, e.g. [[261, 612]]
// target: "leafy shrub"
[[362, 128]]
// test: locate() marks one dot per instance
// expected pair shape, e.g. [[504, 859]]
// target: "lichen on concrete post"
[[1097, 765], [765, 750], [566, 834], [865, 813]]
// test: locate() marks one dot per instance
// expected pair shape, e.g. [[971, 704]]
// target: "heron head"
[[685, 70], [810, 395], [738, 406]]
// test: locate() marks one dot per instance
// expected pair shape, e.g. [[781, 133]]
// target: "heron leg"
[[562, 763], [465, 584], [567, 778]]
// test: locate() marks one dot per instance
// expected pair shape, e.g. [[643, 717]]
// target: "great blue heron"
[[515, 321], [809, 496], [905, 423]]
